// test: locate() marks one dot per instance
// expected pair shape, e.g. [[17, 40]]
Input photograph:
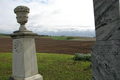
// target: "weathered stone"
[[11, 78], [106, 61], [22, 17], [106, 18], [24, 65], [106, 50]]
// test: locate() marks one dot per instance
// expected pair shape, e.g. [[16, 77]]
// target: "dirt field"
[[47, 45]]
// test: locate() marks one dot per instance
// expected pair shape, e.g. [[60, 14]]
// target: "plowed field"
[[47, 45]]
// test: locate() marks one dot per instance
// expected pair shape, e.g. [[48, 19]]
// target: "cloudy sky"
[[51, 17]]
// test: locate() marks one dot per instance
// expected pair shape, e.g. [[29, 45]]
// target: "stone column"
[[106, 50], [24, 66]]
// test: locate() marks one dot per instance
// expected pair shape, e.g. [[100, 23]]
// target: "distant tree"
[[62, 35], [70, 37]]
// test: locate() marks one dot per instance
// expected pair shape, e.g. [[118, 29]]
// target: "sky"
[[50, 17]]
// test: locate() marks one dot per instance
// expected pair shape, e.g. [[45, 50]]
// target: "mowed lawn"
[[51, 67]]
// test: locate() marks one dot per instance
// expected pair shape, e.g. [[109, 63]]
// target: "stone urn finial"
[[22, 16]]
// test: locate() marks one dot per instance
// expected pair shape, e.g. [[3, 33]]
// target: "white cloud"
[[49, 15]]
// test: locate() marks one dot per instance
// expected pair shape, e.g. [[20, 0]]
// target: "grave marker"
[[24, 64], [106, 50]]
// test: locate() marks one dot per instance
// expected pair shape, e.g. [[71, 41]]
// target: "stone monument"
[[106, 50], [24, 66]]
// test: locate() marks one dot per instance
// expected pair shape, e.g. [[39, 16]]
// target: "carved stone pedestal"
[[24, 63]]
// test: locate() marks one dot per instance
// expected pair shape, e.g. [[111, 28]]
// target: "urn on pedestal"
[[22, 16], [24, 63]]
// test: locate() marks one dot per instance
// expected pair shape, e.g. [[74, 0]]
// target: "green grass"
[[76, 38], [51, 67], [85, 39], [4, 36], [58, 38], [5, 65]]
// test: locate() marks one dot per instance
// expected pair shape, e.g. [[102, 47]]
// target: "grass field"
[[51, 67], [4, 36], [58, 38], [76, 38], [62, 38]]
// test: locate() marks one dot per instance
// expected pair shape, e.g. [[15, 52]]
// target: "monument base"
[[106, 60], [35, 77]]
